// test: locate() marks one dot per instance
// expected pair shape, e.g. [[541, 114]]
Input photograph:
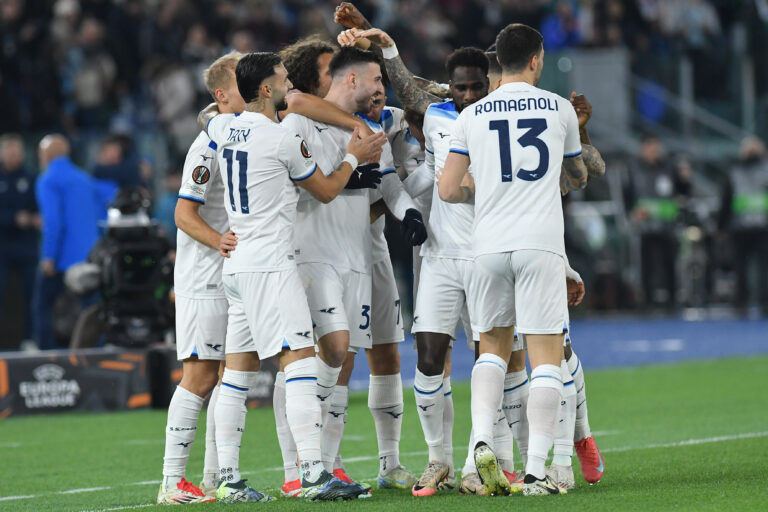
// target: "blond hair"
[[220, 74]]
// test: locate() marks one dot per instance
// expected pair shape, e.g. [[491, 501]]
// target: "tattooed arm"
[[406, 84], [576, 172], [592, 160]]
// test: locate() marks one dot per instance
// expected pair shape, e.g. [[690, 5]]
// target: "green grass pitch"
[[690, 436]]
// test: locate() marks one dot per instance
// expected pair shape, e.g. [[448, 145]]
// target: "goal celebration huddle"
[[281, 253]]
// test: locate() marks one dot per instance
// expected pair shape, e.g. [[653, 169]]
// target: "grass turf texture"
[[635, 407]]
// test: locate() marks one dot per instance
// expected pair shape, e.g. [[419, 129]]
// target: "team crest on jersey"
[[201, 175], [305, 150]]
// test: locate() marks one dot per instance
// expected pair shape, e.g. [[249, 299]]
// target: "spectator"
[[19, 224], [87, 78], [117, 166], [651, 196], [69, 209], [744, 216], [561, 28]]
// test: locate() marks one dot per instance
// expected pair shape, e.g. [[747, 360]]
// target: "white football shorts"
[[201, 328], [339, 300], [524, 288], [268, 312]]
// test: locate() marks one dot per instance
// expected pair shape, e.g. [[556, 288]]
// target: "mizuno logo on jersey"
[[206, 158], [335, 414], [418, 162], [330, 311], [238, 135], [214, 347], [443, 135], [320, 130], [304, 334]]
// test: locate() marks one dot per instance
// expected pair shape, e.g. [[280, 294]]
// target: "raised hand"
[[368, 148], [376, 36], [582, 107], [348, 15]]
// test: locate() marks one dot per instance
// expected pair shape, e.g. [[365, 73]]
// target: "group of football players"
[[281, 252]]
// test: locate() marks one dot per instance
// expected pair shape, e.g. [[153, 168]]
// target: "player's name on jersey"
[[238, 135], [516, 105]]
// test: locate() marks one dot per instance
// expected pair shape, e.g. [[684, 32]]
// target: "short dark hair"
[[493, 63], [252, 70], [300, 60], [516, 44], [350, 56], [467, 57]]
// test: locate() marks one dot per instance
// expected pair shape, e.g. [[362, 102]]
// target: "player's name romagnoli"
[[516, 105]]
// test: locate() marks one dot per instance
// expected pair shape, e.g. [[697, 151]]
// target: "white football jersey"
[[197, 271], [337, 233], [516, 138], [406, 153], [450, 225], [260, 160]]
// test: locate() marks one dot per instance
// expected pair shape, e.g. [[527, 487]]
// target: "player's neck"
[[262, 106], [342, 98], [517, 77]]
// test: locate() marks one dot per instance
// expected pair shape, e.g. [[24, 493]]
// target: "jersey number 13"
[[530, 138]]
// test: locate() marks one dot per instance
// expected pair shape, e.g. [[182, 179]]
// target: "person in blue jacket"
[[69, 207]]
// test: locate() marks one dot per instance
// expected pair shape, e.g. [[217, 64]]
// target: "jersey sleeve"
[[295, 155], [459, 137], [419, 181], [572, 139], [397, 199], [217, 126], [387, 161], [200, 168]]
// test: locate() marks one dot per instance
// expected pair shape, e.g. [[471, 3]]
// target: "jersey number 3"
[[242, 160], [529, 138]]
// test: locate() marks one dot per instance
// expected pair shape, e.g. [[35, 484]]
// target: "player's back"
[[516, 138], [259, 196]]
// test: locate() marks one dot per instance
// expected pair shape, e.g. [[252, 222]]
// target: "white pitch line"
[[688, 442], [10, 445]]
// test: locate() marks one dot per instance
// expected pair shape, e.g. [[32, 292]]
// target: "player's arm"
[[322, 111], [403, 81], [205, 116], [590, 154], [326, 188], [573, 163], [451, 186], [188, 219], [593, 162]]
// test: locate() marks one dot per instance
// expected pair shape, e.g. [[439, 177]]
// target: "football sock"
[[385, 400], [230, 421], [515, 407], [504, 444], [211, 461], [333, 426], [179, 433], [326, 381], [448, 421], [582, 419], [469, 462], [302, 411], [428, 390], [487, 389], [566, 420], [543, 406], [284, 435]]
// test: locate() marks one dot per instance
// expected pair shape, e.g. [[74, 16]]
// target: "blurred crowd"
[[112, 71]]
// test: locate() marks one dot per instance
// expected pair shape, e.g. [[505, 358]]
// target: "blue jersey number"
[[366, 316], [530, 138], [242, 160]]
